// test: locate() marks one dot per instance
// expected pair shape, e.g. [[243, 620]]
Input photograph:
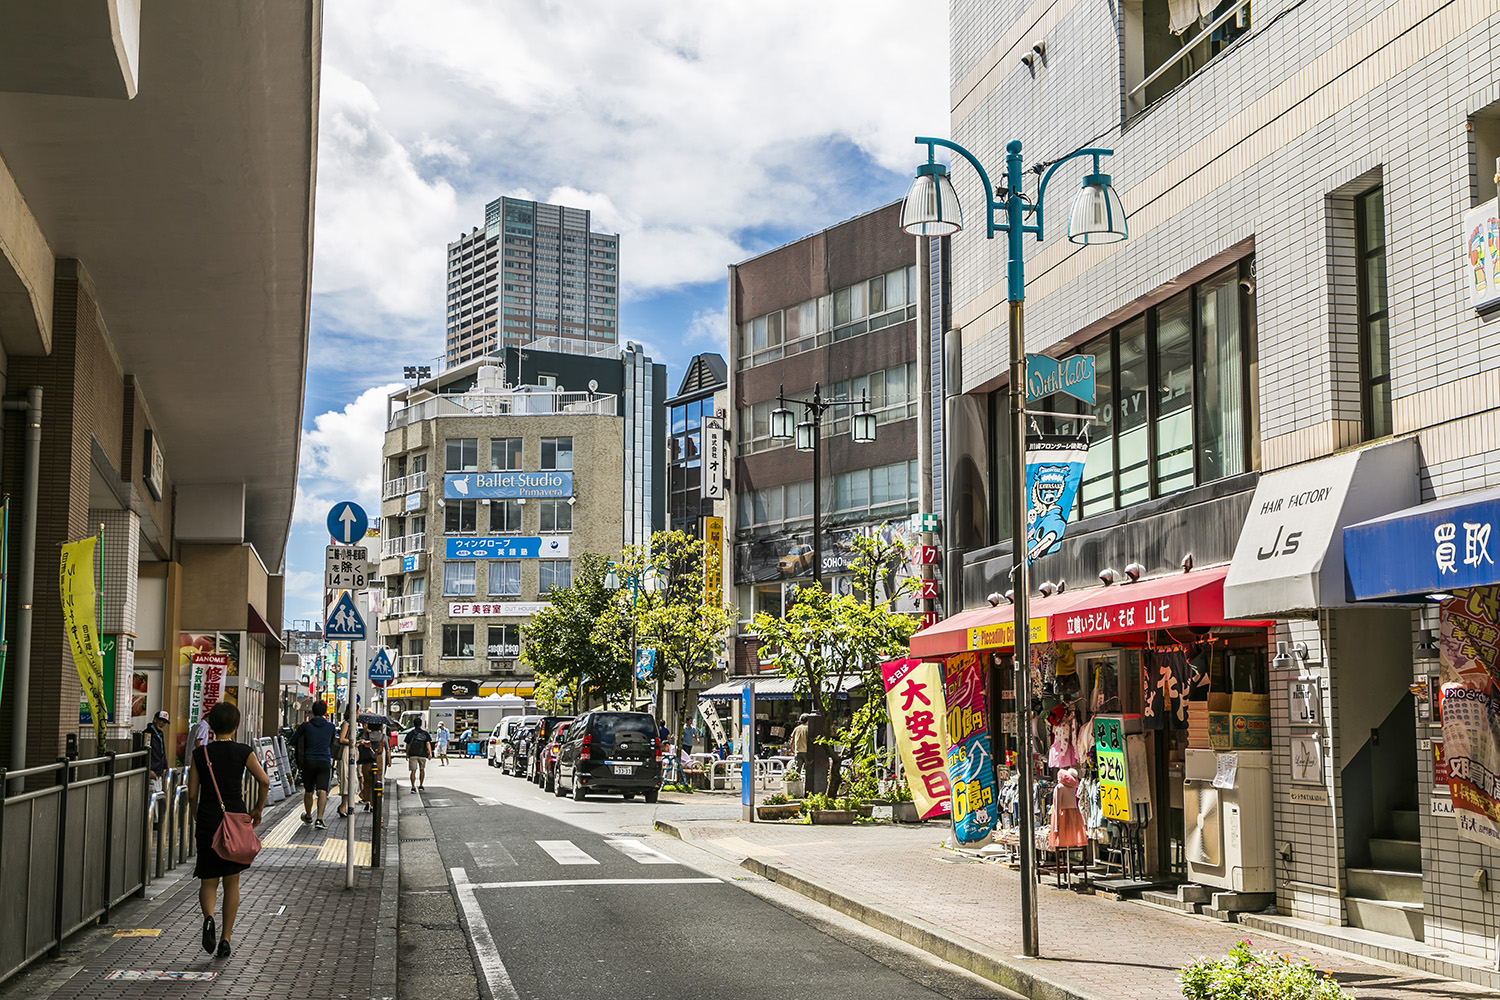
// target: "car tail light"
[[658, 749], [588, 746]]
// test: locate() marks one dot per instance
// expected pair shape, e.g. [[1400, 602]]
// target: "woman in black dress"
[[230, 761]]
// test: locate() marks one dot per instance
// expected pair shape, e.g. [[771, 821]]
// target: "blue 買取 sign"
[[508, 547], [1072, 375], [347, 523], [507, 485], [1435, 548]]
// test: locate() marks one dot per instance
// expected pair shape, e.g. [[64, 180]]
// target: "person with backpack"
[[219, 766], [419, 743], [314, 743]]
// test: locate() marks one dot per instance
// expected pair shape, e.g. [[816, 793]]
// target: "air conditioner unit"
[[1228, 830]]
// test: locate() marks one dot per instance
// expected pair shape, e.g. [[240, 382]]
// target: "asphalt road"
[[558, 900]]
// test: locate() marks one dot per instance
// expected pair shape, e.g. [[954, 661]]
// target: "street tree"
[[560, 644]]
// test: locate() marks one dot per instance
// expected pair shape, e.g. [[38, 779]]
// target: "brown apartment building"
[[837, 310]]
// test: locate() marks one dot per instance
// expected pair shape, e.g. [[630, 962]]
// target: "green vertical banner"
[[80, 621]]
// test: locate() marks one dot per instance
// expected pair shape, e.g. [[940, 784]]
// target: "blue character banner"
[[1054, 468]]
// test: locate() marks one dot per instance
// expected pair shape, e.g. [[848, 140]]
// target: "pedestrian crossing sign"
[[344, 620]]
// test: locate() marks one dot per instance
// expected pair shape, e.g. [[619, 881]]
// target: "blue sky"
[[703, 133]]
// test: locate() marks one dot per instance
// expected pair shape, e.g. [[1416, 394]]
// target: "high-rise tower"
[[534, 270]]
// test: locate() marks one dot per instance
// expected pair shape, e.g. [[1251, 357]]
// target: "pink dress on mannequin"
[[1067, 821]]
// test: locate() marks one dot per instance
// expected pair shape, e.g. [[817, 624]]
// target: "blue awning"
[[1434, 548]]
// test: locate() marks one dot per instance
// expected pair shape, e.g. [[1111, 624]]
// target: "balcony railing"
[[402, 485], [408, 604], [411, 666], [505, 402], [392, 548]]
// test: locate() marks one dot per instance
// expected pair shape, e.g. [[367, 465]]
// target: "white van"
[[502, 731]]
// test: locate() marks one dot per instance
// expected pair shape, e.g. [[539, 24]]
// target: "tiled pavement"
[[299, 932], [903, 881]]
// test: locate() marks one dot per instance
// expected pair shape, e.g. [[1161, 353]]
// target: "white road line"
[[496, 977], [551, 883], [638, 851], [565, 852]]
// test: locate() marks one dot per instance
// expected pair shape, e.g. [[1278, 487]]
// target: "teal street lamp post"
[[653, 583], [932, 209]]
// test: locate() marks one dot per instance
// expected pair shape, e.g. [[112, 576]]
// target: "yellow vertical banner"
[[80, 620], [713, 561], [918, 712]]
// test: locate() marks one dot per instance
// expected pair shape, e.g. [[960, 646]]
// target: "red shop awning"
[[1181, 600]]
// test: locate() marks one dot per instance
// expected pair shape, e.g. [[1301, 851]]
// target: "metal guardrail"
[[70, 849]]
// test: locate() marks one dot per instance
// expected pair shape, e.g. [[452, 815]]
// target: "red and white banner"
[[914, 699]]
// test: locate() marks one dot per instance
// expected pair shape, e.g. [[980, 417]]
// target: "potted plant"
[[1246, 974], [826, 811], [903, 809], [778, 807], [792, 779]]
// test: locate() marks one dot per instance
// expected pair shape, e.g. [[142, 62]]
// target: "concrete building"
[[493, 490], [156, 184], [533, 270], [1294, 339]]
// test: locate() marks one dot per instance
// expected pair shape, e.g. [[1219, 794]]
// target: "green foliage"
[[559, 644], [673, 786], [898, 790], [776, 800], [818, 801], [1247, 974], [553, 694]]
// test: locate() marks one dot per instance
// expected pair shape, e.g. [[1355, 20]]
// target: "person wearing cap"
[[156, 742]]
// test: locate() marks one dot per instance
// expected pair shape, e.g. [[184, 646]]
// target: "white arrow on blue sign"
[[347, 522], [344, 620], [382, 670]]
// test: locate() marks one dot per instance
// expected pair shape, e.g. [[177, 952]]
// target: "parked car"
[[798, 560], [515, 750], [547, 757], [610, 752], [502, 732], [540, 738]]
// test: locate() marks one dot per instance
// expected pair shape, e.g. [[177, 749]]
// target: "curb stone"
[[1018, 974]]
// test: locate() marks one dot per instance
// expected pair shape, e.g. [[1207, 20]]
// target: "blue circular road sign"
[[347, 522]]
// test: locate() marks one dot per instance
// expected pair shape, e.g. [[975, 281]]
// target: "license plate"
[[625, 769]]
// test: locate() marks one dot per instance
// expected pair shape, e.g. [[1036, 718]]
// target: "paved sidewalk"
[[299, 933], [901, 880]]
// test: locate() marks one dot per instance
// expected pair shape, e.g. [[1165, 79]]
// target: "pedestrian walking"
[[223, 762], [689, 737], [346, 787], [418, 748], [156, 744], [443, 736], [314, 743], [799, 743]]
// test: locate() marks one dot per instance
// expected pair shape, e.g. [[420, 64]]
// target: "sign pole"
[[747, 751]]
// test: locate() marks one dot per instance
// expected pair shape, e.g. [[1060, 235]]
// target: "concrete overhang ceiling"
[[190, 206]]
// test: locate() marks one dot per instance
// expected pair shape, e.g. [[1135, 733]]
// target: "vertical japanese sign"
[[713, 458], [201, 651], [971, 768], [1468, 650], [81, 623], [713, 561], [1114, 774], [914, 701], [1054, 468]]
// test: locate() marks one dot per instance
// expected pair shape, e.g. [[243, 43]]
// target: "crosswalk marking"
[[639, 852], [565, 852], [490, 855]]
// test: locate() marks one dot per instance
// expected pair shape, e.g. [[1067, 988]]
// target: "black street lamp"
[[808, 434]]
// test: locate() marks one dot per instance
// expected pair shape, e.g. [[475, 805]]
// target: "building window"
[[414, 645], [460, 517], [458, 642], [505, 577], [557, 453], [505, 455], [557, 516], [1374, 329], [505, 516], [553, 573], [1165, 42], [458, 579], [463, 455], [503, 642]]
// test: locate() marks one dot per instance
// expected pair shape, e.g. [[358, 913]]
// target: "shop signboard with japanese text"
[[1112, 767], [77, 583], [1469, 661], [1428, 551], [507, 547], [507, 485], [914, 701], [971, 766], [713, 561], [712, 485]]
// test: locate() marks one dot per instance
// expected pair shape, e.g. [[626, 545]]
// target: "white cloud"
[[709, 326], [341, 456]]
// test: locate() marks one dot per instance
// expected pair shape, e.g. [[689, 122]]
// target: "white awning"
[[769, 689], [1290, 556]]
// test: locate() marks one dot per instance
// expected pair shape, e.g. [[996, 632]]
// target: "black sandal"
[[209, 935]]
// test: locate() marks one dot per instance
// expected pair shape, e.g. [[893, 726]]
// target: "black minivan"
[[610, 752]]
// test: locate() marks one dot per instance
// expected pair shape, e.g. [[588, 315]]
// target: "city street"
[[563, 899]]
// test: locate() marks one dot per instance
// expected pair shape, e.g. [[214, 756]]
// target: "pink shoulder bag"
[[235, 839]]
